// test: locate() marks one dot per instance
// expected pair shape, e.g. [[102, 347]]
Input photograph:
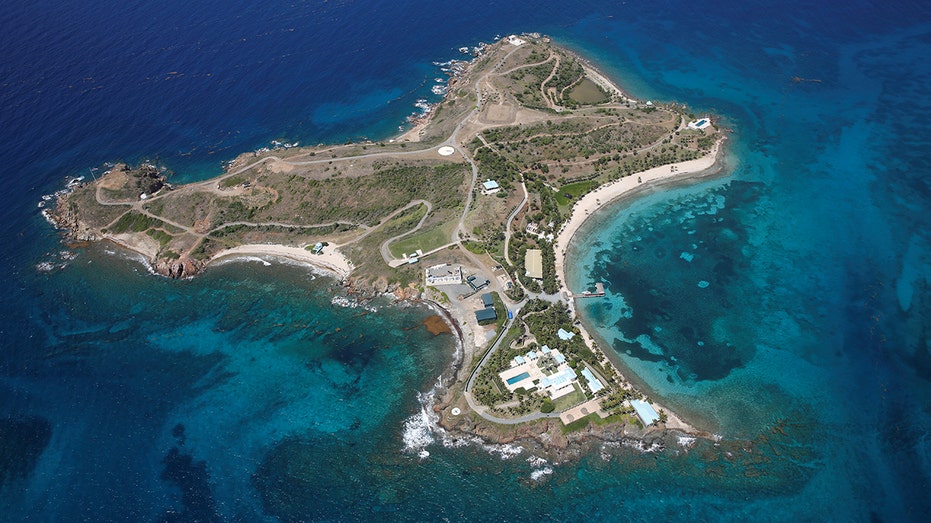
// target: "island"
[[471, 210]]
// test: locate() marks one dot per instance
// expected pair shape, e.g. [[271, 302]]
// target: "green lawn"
[[426, 240], [588, 92], [574, 190], [569, 400]]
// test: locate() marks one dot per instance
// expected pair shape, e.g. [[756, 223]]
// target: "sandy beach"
[[330, 260], [592, 201], [413, 134], [603, 81]]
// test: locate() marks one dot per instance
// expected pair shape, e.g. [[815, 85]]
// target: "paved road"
[[481, 410], [507, 225], [453, 141]]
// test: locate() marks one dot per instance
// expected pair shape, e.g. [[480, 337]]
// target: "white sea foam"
[[235, 259], [421, 428], [504, 451], [133, 256], [539, 474], [686, 442], [48, 217], [536, 461], [604, 454], [270, 259], [642, 446], [45, 266], [345, 302]]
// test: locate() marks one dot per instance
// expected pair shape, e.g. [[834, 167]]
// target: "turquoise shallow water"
[[775, 294], [248, 395], [217, 368]]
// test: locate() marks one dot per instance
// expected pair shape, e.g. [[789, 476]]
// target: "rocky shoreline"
[[75, 231], [136, 192], [542, 437]]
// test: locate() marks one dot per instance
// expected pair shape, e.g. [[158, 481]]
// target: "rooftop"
[[562, 377], [645, 411], [488, 314], [593, 384], [534, 263], [488, 300], [533, 370], [565, 335]]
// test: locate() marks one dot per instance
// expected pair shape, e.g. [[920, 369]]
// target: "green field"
[[569, 400], [588, 92], [575, 190], [425, 240]]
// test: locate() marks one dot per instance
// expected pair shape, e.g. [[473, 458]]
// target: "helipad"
[[446, 150]]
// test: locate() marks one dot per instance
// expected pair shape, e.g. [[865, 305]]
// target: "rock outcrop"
[[63, 217], [179, 268]]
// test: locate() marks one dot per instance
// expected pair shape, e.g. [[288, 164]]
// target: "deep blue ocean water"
[[246, 394]]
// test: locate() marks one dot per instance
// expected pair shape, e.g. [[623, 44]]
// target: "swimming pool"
[[700, 123], [519, 377]]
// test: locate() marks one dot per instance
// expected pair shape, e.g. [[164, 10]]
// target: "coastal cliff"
[[85, 213]]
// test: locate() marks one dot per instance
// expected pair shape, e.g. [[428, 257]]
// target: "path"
[[385, 253]]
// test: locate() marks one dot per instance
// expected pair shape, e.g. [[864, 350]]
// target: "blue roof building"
[[488, 314], [565, 335], [593, 382], [556, 380], [645, 411], [488, 300]]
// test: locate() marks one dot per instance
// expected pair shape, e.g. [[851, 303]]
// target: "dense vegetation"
[[366, 199], [537, 325]]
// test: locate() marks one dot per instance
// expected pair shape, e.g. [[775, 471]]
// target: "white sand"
[[604, 83], [587, 206], [330, 260]]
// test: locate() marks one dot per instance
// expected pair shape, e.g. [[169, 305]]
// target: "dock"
[[599, 291]]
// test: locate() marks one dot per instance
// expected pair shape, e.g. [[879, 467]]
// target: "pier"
[[599, 291]]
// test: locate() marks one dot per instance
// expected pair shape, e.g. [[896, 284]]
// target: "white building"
[[565, 335], [700, 124], [444, 274], [490, 187], [527, 372]]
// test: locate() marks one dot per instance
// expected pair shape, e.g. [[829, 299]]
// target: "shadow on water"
[[677, 283], [193, 479], [22, 441]]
